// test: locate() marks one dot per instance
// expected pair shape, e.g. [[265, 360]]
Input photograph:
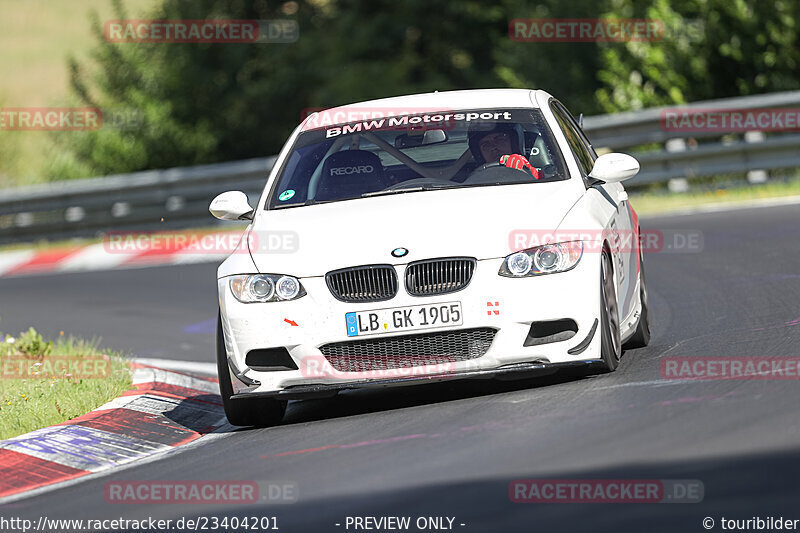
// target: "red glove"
[[519, 162]]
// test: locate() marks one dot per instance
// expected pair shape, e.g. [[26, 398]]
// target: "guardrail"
[[635, 128], [151, 200], [178, 197]]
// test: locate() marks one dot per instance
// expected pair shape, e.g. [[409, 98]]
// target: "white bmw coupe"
[[431, 237]]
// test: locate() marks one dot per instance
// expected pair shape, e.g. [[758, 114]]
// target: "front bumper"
[[305, 324], [326, 390]]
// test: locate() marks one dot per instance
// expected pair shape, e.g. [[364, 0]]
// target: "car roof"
[[431, 102]]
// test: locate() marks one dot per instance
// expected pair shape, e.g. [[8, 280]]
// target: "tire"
[[641, 336], [610, 346], [259, 412]]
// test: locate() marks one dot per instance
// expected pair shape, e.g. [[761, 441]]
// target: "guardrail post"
[[677, 185], [755, 177]]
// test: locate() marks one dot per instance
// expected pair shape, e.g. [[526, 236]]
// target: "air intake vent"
[[409, 350], [371, 283], [270, 359], [439, 276]]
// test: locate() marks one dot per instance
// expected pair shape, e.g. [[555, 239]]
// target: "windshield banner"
[[344, 121]]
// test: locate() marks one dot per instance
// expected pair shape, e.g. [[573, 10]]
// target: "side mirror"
[[614, 167], [231, 205]]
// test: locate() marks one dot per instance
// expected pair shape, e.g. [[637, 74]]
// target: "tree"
[[201, 103], [710, 49]]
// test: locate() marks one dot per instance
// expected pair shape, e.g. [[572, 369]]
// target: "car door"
[[620, 224]]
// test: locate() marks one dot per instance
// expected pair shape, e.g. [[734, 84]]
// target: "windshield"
[[412, 153]]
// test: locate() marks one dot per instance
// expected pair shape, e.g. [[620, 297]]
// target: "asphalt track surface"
[[452, 449]]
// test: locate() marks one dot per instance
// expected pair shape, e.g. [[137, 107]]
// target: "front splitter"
[[325, 390]]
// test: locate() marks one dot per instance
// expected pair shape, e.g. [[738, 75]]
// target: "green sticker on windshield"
[[285, 195]]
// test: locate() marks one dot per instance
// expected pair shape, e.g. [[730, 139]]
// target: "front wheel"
[[259, 412], [641, 336], [610, 348]]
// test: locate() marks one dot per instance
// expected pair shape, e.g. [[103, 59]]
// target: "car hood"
[[472, 222]]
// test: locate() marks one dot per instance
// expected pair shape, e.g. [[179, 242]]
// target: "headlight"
[[265, 288], [546, 259], [519, 264], [288, 288]]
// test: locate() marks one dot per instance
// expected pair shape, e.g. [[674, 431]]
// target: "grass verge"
[[43, 383], [36, 39], [661, 202]]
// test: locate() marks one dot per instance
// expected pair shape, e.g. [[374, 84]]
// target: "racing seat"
[[536, 150], [349, 174], [539, 156]]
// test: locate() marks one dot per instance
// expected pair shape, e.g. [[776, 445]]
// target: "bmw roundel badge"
[[399, 252]]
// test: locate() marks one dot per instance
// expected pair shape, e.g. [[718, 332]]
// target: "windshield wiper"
[[307, 202], [368, 194], [407, 189]]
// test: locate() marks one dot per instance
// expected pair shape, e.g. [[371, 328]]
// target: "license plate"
[[413, 317]]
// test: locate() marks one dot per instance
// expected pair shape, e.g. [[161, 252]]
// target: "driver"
[[500, 143]]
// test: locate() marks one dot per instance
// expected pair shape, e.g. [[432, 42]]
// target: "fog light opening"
[[548, 331]]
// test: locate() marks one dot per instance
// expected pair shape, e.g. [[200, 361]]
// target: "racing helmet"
[[479, 130]]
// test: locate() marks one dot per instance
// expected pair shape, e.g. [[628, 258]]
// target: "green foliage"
[[31, 343], [711, 49], [566, 70], [9, 152], [204, 103]]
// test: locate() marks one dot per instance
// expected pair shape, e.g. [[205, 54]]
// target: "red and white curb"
[[181, 249], [127, 429]]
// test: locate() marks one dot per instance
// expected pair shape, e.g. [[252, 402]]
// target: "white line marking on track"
[[209, 369], [156, 375]]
